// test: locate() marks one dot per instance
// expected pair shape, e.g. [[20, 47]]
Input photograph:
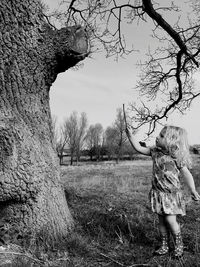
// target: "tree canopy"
[[168, 73]]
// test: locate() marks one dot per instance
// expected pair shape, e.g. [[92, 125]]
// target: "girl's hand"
[[195, 196]]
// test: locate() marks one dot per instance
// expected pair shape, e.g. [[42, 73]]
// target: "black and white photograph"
[[99, 133]]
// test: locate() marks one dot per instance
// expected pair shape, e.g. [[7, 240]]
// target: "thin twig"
[[140, 265], [134, 265], [20, 254], [106, 256], [124, 115], [125, 120]]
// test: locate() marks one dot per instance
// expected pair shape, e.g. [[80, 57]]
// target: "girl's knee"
[[171, 219], [172, 223]]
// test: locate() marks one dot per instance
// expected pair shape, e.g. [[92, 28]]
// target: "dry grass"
[[114, 225]]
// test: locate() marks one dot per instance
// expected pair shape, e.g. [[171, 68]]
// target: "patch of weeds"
[[114, 225], [78, 244]]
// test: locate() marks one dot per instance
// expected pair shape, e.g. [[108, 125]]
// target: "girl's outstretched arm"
[[135, 144], [190, 182]]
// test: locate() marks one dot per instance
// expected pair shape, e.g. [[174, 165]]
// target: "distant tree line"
[[77, 140]]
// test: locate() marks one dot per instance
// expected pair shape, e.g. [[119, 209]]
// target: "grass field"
[[114, 224]]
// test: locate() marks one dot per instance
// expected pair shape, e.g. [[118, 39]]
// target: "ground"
[[114, 225]]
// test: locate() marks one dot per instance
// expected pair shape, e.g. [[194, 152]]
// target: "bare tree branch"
[[168, 72]]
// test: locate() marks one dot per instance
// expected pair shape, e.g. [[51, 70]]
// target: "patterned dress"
[[165, 194]]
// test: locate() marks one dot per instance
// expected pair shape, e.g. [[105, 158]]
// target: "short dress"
[[166, 195]]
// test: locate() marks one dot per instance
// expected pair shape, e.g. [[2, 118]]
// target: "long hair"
[[176, 143]]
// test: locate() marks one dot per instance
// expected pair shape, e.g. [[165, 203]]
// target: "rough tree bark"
[[31, 56]]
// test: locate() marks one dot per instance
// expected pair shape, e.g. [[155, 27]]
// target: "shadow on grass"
[[110, 224]]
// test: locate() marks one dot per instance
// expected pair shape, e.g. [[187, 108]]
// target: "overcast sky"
[[102, 85]]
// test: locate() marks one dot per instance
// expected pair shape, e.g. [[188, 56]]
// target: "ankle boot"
[[164, 248], [178, 245]]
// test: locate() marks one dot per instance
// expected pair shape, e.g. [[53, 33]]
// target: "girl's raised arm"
[[136, 145]]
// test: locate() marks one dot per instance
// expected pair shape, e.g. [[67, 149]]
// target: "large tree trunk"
[[31, 55]]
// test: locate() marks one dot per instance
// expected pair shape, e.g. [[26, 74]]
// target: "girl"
[[171, 159]]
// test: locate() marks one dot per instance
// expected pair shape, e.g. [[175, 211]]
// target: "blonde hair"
[[176, 143]]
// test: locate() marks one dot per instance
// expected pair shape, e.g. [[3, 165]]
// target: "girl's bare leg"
[[176, 232], [164, 248], [172, 223], [162, 225]]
